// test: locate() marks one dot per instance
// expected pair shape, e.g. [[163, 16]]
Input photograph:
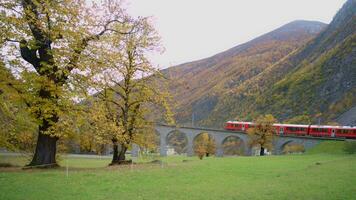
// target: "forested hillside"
[[296, 72]]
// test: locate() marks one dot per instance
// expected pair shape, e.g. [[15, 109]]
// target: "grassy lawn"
[[318, 174]]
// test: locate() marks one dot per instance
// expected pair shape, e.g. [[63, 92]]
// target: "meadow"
[[322, 173]]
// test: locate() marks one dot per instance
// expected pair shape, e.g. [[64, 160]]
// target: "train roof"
[[329, 126], [294, 125], [238, 122]]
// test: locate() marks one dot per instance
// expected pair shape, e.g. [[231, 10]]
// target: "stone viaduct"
[[221, 135]]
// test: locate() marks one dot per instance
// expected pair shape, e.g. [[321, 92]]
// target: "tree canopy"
[[261, 134], [57, 48]]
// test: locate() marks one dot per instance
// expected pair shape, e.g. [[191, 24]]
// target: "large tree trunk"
[[115, 155], [45, 154], [119, 155], [122, 153], [46, 146], [262, 151]]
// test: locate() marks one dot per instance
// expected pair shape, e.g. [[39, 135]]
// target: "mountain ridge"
[[198, 84], [331, 52]]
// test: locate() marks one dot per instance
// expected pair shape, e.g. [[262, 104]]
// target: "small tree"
[[127, 89], [262, 133], [204, 145]]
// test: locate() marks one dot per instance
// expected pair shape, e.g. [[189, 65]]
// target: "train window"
[[295, 129], [325, 130], [344, 131]]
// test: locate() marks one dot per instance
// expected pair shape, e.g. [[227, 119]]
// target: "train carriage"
[[291, 129], [346, 131], [321, 131], [299, 129], [238, 126]]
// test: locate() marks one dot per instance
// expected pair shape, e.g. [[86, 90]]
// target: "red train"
[[299, 130]]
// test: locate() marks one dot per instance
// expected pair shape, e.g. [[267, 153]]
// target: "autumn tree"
[[17, 127], [204, 145], [262, 133], [51, 45], [129, 88]]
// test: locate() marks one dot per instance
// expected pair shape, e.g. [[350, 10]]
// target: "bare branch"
[[12, 40], [85, 42]]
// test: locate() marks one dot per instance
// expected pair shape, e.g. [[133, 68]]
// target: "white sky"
[[195, 29]]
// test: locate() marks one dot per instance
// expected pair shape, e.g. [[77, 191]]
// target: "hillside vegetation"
[[198, 87], [312, 79]]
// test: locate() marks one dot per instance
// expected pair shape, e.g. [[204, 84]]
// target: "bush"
[[200, 151], [350, 147]]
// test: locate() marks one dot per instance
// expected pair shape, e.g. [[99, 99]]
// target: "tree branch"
[[30, 55], [20, 93], [11, 40], [85, 42]]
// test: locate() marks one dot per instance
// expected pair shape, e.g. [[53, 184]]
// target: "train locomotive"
[[299, 129]]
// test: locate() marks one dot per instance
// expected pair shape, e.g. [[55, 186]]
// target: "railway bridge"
[[220, 136]]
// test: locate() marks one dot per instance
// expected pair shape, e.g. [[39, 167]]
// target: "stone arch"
[[177, 140], [233, 145], [291, 146], [206, 141]]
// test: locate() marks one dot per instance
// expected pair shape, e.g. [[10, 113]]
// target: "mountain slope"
[[198, 86], [316, 82]]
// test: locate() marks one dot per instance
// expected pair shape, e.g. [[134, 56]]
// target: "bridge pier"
[[163, 141], [135, 150], [219, 139], [190, 146], [219, 151]]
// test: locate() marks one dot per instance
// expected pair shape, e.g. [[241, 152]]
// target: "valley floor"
[[308, 176]]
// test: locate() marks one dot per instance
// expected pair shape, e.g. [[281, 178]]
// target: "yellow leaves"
[[17, 127], [262, 132], [204, 144], [70, 49]]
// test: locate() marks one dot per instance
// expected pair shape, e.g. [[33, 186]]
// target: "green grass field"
[[323, 173]]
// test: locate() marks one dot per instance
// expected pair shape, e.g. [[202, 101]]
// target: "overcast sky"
[[195, 29]]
